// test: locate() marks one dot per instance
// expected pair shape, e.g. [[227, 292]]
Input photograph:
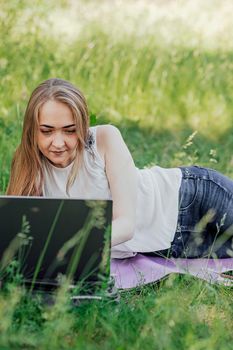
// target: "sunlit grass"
[[159, 70], [156, 63], [174, 23]]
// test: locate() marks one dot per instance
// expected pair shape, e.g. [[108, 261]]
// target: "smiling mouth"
[[57, 153]]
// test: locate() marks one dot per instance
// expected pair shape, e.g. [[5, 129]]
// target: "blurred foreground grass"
[[180, 313], [159, 71]]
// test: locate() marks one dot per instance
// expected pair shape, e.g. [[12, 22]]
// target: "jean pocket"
[[188, 192]]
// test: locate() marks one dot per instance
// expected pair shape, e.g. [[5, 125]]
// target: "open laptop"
[[45, 239]]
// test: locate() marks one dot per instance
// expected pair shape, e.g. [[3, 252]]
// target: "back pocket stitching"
[[194, 197]]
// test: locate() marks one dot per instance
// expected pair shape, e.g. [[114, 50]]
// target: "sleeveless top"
[[157, 198]]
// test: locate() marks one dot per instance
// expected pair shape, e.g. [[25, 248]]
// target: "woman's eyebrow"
[[68, 126], [63, 127], [47, 126]]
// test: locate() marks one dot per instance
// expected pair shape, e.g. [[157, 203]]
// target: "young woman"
[[178, 212]]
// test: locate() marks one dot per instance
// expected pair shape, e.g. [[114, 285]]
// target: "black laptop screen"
[[49, 238]]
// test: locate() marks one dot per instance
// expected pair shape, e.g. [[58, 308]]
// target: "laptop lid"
[[50, 237]]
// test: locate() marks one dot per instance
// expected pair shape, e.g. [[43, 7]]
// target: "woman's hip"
[[205, 190], [205, 210]]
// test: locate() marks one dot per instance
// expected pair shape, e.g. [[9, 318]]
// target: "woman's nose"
[[58, 141]]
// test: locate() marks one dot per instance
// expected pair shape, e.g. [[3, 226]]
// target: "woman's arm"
[[122, 177]]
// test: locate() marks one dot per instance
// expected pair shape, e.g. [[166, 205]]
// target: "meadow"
[[162, 72]]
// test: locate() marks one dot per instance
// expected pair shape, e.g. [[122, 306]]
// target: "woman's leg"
[[205, 219]]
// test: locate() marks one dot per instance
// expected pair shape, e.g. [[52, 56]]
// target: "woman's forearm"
[[122, 230]]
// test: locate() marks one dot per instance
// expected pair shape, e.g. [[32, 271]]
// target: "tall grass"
[[160, 71]]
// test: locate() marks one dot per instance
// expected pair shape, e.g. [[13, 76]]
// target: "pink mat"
[[141, 269]]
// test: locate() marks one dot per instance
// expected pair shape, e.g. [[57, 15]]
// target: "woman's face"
[[57, 136]]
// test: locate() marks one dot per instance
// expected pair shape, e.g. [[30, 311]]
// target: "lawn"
[[162, 72]]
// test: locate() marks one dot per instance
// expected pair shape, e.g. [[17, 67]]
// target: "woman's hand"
[[122, 176]]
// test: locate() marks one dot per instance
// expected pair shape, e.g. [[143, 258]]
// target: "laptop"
[[48, 240]]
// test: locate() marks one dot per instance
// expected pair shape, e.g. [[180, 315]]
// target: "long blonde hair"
[[26, 169]]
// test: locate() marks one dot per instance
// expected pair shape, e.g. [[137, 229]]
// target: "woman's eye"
[[70, 131], [46, 132]]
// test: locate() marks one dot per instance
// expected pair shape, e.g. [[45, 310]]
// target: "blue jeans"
[[205, 217]]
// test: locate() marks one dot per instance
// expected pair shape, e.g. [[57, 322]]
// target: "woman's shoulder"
[[104, 134], [97, 134], [106, 129]]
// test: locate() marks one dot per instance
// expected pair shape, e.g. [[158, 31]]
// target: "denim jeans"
[[205, 217]]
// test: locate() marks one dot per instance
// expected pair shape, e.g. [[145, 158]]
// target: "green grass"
[[180, 313], [159, 71]]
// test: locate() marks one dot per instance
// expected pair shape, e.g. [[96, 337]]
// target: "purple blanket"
[[141, 269]]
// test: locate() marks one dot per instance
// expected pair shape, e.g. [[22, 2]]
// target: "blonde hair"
[[27, 165]]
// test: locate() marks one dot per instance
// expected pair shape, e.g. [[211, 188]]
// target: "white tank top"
[[157, 198]]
